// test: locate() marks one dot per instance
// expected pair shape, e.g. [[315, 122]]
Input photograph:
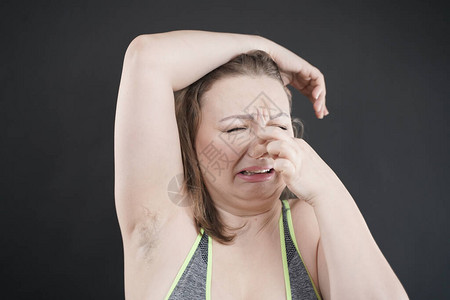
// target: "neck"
[[252, 224]]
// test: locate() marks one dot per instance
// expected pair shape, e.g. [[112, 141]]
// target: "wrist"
[[249, 42]]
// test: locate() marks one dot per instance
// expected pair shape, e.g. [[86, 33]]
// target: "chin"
[[263, 190]]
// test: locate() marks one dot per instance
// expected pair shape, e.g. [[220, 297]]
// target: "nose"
[[257, 147]]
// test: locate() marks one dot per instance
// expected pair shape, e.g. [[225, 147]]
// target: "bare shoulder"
[[303, 215], [307, 234]]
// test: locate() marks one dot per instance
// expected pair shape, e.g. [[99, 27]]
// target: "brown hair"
[[188, 114]]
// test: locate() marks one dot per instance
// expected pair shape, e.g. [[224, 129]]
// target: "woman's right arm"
[[147, 151]]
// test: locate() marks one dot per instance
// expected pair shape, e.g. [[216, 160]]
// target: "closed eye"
[[242, 128], [234, 129]]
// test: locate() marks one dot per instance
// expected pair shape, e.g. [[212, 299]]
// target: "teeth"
[[255, 172]]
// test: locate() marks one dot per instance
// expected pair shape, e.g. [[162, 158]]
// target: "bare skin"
[[251, 267], [157, 234]]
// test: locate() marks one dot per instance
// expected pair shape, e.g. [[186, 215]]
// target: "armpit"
[[146, 234]]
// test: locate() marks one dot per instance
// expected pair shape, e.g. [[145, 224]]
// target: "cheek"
[[236, 143], [216, 156]]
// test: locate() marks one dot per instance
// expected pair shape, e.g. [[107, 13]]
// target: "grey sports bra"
[[193, 280]]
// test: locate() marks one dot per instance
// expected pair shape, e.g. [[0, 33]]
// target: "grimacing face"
[[233, 111]]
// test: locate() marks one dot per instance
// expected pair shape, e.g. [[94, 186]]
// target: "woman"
[[226, 132]]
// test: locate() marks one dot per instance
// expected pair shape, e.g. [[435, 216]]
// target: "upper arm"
[[307, 234], [322, 269], [146, 144]]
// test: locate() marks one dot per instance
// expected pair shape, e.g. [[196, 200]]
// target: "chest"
[[254, 273]]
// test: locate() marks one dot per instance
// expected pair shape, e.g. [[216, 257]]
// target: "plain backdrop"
[[386, 65]]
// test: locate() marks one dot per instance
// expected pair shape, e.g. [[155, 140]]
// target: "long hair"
[[188, 115]]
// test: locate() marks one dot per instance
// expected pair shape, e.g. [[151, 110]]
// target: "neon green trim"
[[209, 270], [292, 234], [185, 263], [287, 281]]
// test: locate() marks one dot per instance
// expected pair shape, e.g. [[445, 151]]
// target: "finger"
[[284, 167], [318, 79], [314, 78], [303, 85], [319, 92], [316, 95], [322, 98], [266, 135], [270, 133], [282, 149], [258, 145], [287, 78], [320, 105], [317, 104], [303, 76]]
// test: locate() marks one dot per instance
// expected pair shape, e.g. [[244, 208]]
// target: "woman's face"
[[234, 110]]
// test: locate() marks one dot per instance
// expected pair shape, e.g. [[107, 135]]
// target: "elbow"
[[137, 46], [139, 43], [141, 49]]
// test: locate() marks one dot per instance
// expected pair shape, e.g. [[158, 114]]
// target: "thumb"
[[287, 78]]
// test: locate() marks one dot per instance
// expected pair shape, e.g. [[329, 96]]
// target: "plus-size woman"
[[217, 194]]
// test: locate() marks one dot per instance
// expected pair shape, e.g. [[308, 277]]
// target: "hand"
[[301, 75], [300, 167]]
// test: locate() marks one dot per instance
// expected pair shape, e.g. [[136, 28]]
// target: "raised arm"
[[147, 147]]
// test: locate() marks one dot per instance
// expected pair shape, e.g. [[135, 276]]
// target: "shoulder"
[[303, 215]]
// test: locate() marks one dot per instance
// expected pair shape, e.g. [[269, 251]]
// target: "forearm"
[[184, 56], [356, 266]]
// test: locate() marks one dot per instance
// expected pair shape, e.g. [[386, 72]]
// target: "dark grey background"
[[387, 137]]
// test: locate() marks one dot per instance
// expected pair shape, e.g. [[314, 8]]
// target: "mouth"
[[253, 172], [256, 174]]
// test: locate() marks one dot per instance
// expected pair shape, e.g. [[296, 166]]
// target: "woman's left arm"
[[347, 252], [356, 267]]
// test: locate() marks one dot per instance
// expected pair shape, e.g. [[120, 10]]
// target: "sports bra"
[[193, 280]]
